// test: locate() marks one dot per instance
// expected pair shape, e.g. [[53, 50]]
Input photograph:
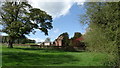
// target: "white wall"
[[46, 44]]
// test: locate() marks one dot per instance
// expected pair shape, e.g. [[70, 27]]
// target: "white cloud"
[[55, 8], [80, 3]]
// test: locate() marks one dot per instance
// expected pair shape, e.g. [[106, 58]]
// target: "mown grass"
[[26, 56], [0, 55]]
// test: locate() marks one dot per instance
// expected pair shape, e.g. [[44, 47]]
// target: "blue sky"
[[70, 22]]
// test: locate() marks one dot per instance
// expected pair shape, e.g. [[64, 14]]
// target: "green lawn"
[[25, 56]]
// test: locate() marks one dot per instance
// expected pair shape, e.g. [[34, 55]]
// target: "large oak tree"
[[20, 18]]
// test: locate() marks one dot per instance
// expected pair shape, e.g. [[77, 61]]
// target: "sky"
[[66, 18]]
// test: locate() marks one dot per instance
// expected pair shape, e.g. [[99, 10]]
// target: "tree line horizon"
[[4, 39]]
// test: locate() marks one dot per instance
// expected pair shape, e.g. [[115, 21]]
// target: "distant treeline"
[[5, 39]]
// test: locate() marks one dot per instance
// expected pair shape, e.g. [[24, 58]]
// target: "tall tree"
[[77, 35], [19, 19], [73, 40], [65, 41], [104, 27], [47, 40]]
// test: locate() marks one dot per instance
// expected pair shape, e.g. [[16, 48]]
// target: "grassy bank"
[[25, 56]]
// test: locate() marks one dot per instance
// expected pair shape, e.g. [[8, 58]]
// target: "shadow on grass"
[[43, 49], [30, 48], [51, 49], [27, 59]]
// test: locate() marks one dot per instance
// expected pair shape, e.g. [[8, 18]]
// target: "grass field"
[[25, 56]]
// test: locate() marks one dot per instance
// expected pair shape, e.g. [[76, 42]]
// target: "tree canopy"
[[47, 40], [20, 18], [77, 35], [104, 27], [65, 40]]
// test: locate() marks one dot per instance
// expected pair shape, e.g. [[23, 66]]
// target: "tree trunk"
[[10, 43]]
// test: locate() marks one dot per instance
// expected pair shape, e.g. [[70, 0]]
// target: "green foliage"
[[77, 35], [24, 41], [73, 41], [42, 18], [19, 19], [103, 33], [47, 40], [4, 39], [21, 40], [65, 40]]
